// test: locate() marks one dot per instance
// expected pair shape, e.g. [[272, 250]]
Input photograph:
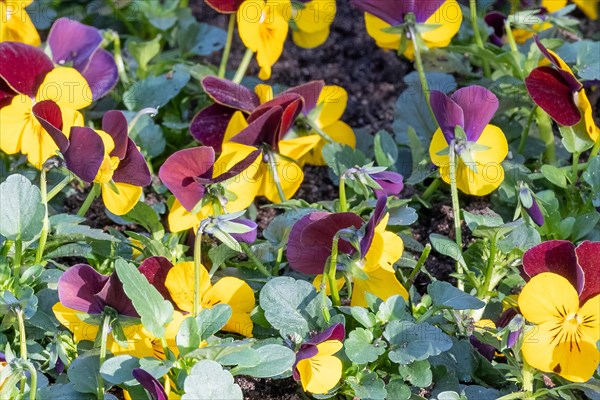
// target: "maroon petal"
[[115, 124], [210, 124], [448, 114], [239, 167], [479, 106], [150, 383], [259, 130], [113, 295], [101, 73], [556, 256], [225, 6], [133, 169], [85, 153], [179, 170], [230, 94], [549, 90], [248, 237], [390, 11], [391, 183], [378, 214], [23, 67], [588, 254], [155, 269], [290, 113], [6, 94], [310, 92], [78, 286], [283, 101], [72, 41], [49, 115]]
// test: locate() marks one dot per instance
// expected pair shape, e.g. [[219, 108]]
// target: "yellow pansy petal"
[[37, 144], [553, 5], [339, 132], [316, 15], [264, 92], [181, 219], [240, 323], [319, 374], [333, 100], [140, 343], [375, 28], [15, 121], [546, 296], [310, 40], [66, 87], [173, 329], [17, 25], [381, 283], [120, 203], [319, 279], [586, 109], [180, 284], [298, 147], [239, 296], [449, 17], [589, 7], [236, 124], [231, 154], [288, 173], [590, 314], [68, 317], [329, 347]]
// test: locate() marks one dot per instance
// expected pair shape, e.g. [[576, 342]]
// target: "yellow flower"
[[320, 373], [311, 22], [232, 291], [16, 24], [589, 7], [263, 27], [564, 337]]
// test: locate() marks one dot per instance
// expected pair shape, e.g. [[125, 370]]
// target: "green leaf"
[[584, 225], [188, 337], [592, 177], [83, 372], [575, 138], [359, 349], [201, 39], [143, 52], [62, 391], [402, 216], [155, 311], [209, 381], [415, 342], [144, 215], [447, 247], [211, 320], [369, 387], [147, 134], [417, 373], [555, 175], [443, 294], [271, 360], [117, 370], [340, 157], [394, 308], [397, 390], [72, 232], [156, 91], [386, 149], [22, 212]]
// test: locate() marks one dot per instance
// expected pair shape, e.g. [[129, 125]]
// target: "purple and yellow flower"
[[107, 157], [437, 21], [23, 88], [178, 280], [496, 21], [316, 366], [562, 298], [558, 92], [16, 24], [589, 7], [480, 147], [75, 44], [311, 21], [371, 258], [391, 183], [263, 27]]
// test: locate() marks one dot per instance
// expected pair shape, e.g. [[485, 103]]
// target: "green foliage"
[[209, 381], [22, 210]]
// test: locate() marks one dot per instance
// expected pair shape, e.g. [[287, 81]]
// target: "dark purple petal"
[[556, 256], [248, 237], [133, 168], [310, 92], [290, 113], [375, 219], [506, 317], [486, 350], [2, 357], [115, 124], [391, 183], [155, 269], [239, 167], [588, 254], [101, 73], [72, 41], [260, 129], [393, 12], [496, 21], [113, 295], [535, 213], [6, 94], [77, 288], [448, 114], [150, 383], [59, 367], [23, 67], [549, 90], [85, 153], [513, 336], [179, 170], [210, 124], [479, 106], [311, 238], [49, 116], [230, 94], [225, 6]]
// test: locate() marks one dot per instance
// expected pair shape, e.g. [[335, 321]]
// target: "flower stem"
[[330, 270], [547, 135], [276, 178], [59, 186], [241, 71], [119, 58], [513, 47], [420, 263], [17, 260], [23, 343], [257, 263], [227, 49], [595, 149], [477, 34], [575, 167], [489, 272], [103, 340], [525, 133], [33, 382], [197, 271], [342, 190], [431, 189], [456, 208], [420, 68], [94, 191], [46, 224], [527, 373]]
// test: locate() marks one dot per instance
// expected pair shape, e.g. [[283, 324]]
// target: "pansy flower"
[[562, 298], [200, 184], [370, 262], [107, 157], [23, 88], [391, 183], [589, 7], [225, 6], [311, 21], [75, 44], [316, 367], [16, 24], [440, 19], [558, 92], [179, 284], [263, 27], [496, 21], [480, 147]]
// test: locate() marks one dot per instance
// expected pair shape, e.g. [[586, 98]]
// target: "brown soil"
[[268, 389]]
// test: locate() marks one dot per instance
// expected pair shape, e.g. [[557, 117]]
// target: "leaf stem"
[[227, 49], [477, 34], [18, 255], [513, 47], [46, 224], [489, 272], [547, 135], [575, 167], [93, 193], [257, 263], [276, 178], [241, 71], [420, 263], [456, 209], [330, 270], [595, 149], [419, 67], [525, 133], [433, 186], [342, 191], [197, 271], [59, 186], [23, 343], [103, 340]]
